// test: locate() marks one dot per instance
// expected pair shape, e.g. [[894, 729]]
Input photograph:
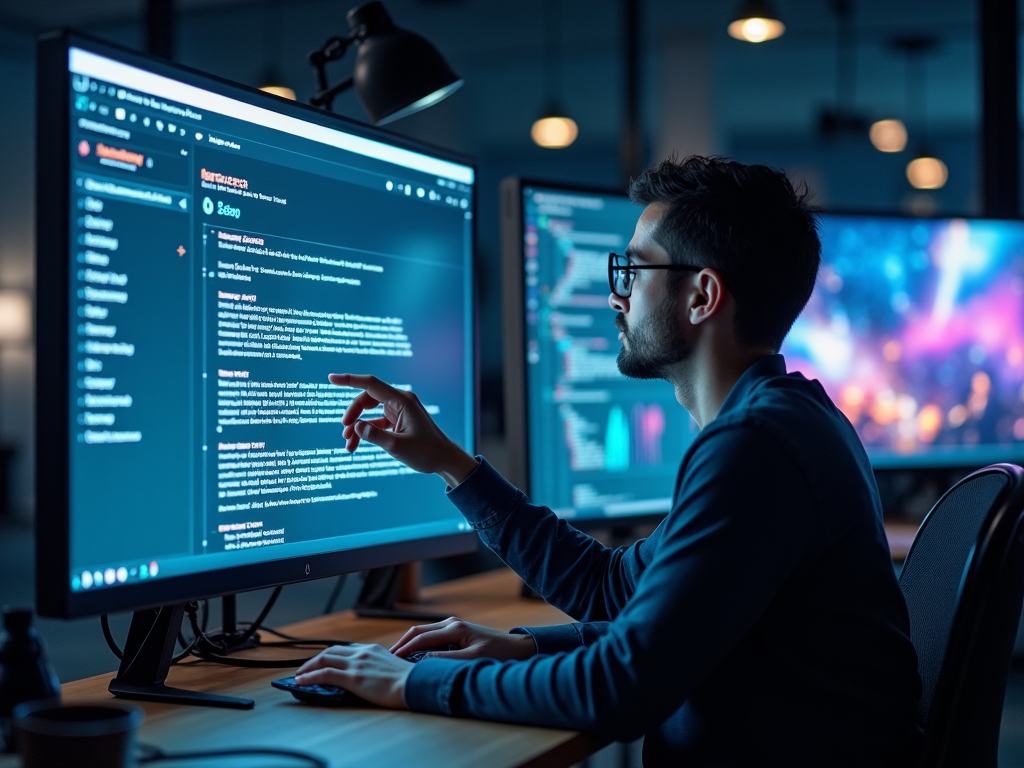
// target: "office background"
[[784, 102]]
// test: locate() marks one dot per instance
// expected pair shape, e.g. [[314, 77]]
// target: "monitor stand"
[[147, 658], [377, 599]]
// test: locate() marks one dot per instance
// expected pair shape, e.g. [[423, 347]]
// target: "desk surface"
[[359, 737], [370, 737]]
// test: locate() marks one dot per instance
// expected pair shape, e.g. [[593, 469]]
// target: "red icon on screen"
[[83, 148]]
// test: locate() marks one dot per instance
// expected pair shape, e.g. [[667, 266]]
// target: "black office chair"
[[963, 580]]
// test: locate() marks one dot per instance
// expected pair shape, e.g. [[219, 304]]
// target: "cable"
[[263, 615], [212, 650], [206, 617], [299, 640], [204, 647], [155, 755], [105, 626], [112, 644]]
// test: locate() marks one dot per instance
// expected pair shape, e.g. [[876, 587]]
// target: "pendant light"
[[843, 119], [925, 170], [553, 129], [889, 135], [756, 22]]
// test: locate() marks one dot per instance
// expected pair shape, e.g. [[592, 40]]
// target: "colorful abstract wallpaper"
[[916, 331]]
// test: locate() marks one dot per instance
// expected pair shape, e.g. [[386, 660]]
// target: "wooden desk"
[[900, 535], [365, 737]]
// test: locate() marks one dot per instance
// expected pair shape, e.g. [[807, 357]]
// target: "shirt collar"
[[765, 368]]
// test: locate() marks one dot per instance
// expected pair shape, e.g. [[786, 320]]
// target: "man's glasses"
[[621, 273]]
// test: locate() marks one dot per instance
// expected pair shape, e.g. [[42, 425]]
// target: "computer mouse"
[[323, 695], [420, 655]]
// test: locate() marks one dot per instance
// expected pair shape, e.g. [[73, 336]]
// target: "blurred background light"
[[756, 22], [888, 135], [279, 90], [554, 132], [15, 316], [927, 173]]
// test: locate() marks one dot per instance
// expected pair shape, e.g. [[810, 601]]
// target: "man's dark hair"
[[749, 223]]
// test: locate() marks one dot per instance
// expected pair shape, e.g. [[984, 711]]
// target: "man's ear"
[[707, 296]]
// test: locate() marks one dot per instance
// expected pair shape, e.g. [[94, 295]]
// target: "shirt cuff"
[[555, 639], [430, 685], [485, 498]]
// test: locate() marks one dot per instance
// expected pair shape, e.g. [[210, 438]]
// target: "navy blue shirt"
[[760, 624]]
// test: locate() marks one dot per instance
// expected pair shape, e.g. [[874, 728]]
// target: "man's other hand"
[[405, 431], [475, 642], [367, 671]]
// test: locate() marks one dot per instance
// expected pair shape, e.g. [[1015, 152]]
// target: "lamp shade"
[[554, 131], [755, 22], [397, 72], [927, 172], [888, 135]]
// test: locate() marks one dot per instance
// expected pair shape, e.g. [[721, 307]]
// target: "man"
[[761, 623]]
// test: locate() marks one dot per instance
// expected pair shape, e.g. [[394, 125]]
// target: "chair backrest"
[[963, 581]]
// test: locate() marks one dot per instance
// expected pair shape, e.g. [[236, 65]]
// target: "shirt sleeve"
[[743, 521], [569, 569], [563, 637]]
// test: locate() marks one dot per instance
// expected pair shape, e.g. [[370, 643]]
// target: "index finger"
[[376, 388], [419, 629], [431, 639], [412, 632]]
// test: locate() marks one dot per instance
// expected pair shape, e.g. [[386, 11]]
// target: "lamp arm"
[[332, 50], [325, 98]]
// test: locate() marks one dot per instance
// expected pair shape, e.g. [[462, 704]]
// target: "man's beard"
[[654, 346]]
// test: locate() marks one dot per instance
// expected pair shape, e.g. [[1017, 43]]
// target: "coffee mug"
[[49, 735]]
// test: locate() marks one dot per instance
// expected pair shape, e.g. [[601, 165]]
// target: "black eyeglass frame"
[[612, 269]]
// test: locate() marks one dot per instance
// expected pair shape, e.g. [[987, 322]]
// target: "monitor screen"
[[600, 446], [227, 250], [916, 331]]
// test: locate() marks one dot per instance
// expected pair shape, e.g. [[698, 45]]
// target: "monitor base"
[[168, 695], [379, 595], [394, 612], [147, 658]]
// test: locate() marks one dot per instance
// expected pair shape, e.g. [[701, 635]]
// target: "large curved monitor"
[[207, 255], [916, 331]]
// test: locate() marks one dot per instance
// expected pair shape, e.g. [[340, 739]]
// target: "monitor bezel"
[[517, 405], [54, 596]]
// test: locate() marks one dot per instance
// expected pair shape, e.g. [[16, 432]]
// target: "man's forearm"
[[567, 568]]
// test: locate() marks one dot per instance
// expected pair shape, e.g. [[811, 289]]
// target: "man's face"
[[648, 322]]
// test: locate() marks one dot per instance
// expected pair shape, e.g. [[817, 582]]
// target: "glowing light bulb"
[[756, 29], [927, 173], [554, 132], [280, 90], [888, 135]]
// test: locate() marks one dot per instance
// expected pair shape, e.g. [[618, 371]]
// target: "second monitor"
[[583, 439]]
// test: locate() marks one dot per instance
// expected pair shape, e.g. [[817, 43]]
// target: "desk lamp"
[[397, 72]]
